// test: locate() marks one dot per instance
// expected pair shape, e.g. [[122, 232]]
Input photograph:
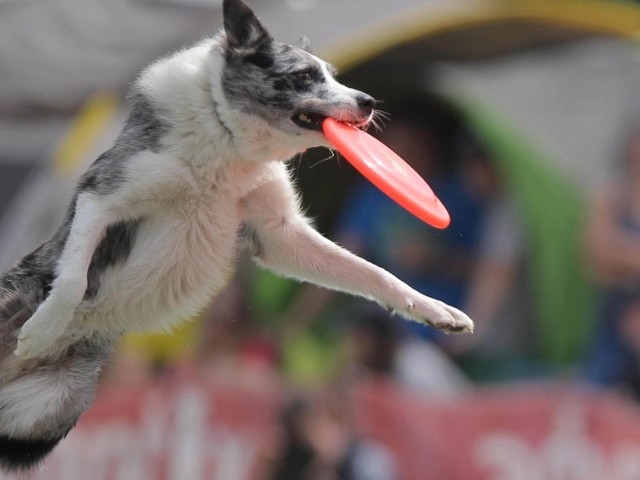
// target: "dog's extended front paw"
[[36, 337], [436, 314], [461, 322]]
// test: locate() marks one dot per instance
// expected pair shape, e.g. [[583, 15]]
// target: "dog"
[[197, 174]]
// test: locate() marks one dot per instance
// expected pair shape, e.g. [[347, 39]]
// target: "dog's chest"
[[182, 253]]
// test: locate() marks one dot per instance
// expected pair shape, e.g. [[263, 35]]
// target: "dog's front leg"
[[53, 315], [283, 241]]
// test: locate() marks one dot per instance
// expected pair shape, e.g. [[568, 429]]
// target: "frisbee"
[[387, 171]]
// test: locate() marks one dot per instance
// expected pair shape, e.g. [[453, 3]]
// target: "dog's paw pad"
[[436, 314], [460, 324], [448, 319]]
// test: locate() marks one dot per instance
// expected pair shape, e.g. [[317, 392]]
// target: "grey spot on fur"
[[243, 29], [15, 309], [28, 282], [143, 130], [249, 240], [261, 59], [114, 249], [279, 89]]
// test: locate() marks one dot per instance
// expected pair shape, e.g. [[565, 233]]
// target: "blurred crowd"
[[316, 344], [613, 251]]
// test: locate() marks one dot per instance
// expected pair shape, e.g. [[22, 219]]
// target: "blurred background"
[[524, 117]]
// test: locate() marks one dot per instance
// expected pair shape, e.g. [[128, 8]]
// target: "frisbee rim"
[[356, 147]]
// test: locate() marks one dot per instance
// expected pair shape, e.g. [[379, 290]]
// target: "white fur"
[[29, 399]]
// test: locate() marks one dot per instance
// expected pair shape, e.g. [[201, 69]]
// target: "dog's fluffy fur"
[[156, 222]]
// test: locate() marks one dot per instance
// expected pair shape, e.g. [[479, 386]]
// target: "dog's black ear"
[[244, 30], [304, 43]]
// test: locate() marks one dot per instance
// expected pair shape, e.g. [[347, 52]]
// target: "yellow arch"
[[596, 16]]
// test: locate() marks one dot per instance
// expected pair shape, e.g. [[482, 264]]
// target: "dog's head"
[[293, 90]]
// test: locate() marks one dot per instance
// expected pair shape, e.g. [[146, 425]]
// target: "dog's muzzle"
[[311, 120]]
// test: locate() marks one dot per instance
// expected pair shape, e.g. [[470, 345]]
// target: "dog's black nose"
[[366, 101]]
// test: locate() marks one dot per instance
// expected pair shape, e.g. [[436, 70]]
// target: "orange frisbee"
[[387, 171]]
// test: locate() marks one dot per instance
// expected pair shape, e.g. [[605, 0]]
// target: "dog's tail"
[[42, 399], [40, 405], [22, 454]]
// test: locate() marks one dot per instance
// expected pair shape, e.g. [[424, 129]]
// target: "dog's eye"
[[304, 80], [303, 76]]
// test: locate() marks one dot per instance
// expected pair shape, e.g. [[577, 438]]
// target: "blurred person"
[[319, 442], [497, 296], [378, 347], [374, 340], [621, 368], [613, 249]]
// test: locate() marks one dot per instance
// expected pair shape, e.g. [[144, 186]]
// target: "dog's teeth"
[[305, 118]]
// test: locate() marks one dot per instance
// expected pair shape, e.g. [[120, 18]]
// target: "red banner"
[[524, 434], [197, 432]]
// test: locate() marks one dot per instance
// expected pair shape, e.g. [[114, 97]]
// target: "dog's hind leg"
[[53, 315]]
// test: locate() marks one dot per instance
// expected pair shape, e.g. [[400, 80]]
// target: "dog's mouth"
[[309, 120], [313, 121]]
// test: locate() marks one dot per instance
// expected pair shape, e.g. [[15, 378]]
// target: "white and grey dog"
[[197, 174]]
